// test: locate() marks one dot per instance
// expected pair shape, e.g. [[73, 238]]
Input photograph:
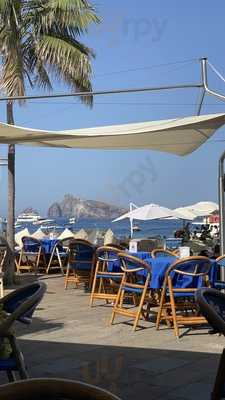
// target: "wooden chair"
[[106, 281], [116, 246], [218, 283], [50, 388], [212, 305], [176, 252], [31, 257], [59, 255], [18, 305], [81, 263], [177, 303], [3, 253], [135, 284], [161, 253]]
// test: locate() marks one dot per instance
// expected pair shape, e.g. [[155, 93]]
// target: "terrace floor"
[[68, 339]]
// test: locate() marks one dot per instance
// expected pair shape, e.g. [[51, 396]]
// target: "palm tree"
[[39, 40]]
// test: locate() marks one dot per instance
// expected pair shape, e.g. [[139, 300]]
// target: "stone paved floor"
[[69, 339]]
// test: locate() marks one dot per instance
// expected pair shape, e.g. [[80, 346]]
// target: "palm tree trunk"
[[10, 269]]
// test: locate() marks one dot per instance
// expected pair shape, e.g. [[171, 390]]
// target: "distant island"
[[72, 206]]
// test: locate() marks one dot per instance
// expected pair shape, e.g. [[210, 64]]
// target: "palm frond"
[[74, 14], [39, 39], [13, 71], [69, 59]]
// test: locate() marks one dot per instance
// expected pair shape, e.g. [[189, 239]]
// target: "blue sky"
[[139, 43]]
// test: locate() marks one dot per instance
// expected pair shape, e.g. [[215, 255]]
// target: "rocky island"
[[72, 206]]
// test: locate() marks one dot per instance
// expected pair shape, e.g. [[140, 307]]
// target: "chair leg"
[[76, 279], [93, 288], [61, 265], [140, 305], [115, 306], [162, 299], [90, 282], [218, 389], [173, 308], [121, 298], [37, 262], [118, 300], [67, 276], [49, 263], [1, 288], [19, 358], [60, 261], [11, 376]]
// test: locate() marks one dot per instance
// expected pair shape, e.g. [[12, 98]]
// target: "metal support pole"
[[222, 207], [205, 81], [104, 92], [221, 182]]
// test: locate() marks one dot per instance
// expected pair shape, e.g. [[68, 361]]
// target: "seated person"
[[216, 252], [179, 234], [214, 231], [187, 233], [205, 233], [204, 253]]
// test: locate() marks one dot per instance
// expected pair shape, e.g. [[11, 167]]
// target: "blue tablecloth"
[[159, 267], [143, 255], [115, 265], [48, 245]]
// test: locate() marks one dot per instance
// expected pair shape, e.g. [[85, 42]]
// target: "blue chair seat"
[[108, 275], [30, 253], [81, 266], [63, 254], [9, 364], [219, 285], [132, 290], [182, 294]]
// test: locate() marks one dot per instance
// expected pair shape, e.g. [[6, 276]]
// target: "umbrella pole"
[[131, 227], [221, 185]]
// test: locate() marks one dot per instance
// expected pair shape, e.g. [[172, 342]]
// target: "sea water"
[[121, 229]]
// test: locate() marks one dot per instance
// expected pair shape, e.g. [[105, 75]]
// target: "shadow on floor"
[[38, 325], [131, 373]]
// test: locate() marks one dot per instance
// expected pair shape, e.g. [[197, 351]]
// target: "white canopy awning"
[[150, 212], [186, 212], [201, 209], [179, 136]]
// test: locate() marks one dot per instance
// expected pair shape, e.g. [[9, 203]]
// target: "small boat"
[[136, 228], [28, 217], [50, 227], [72, 220], [42, 221]]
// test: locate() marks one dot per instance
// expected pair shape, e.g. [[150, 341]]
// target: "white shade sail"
[[179, 136], [150, 212]]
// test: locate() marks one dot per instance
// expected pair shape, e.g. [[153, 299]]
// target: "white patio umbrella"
[[204, 208], [201, 209], [150, 212], [186, 212]]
